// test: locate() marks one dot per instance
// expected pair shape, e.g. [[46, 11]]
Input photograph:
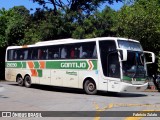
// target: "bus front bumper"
[[126, 87]]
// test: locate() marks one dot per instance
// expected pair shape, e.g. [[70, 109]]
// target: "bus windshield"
[[134, 67], [130, 45]]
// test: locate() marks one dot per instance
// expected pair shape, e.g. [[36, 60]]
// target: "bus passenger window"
[[72, 53], [84, 55], [56, 56], [63, 53], [25, 54], [40, 53], [15, 55], [94, 52], [76, 52], [34, 54], [80, 52]]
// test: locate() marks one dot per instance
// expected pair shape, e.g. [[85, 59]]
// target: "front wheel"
[[27, 81], [19, 80], [90, 87]]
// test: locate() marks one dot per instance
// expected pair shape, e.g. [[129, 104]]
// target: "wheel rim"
[[28, 82], [20, 81], [91, 87]]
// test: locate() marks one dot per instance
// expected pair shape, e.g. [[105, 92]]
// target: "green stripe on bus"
[[130, 79], [15, 64], [92, 65], [39, 73], [36, 64], [83, 64]]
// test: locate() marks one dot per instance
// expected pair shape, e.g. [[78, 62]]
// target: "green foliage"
[[97, 25], [4, 18], [13, 24], [68, 6]]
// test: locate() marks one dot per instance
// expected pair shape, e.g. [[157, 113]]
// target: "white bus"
[[104, 63]]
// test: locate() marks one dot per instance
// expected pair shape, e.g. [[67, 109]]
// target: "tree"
[[4, 18], [74, 5], [97, 25], [16, 25]]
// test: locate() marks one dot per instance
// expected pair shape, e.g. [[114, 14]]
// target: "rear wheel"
[[90, 87], [27, 81], [20, 81]]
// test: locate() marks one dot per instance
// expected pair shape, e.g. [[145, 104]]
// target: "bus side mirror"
[[123, 54], [151, 55]]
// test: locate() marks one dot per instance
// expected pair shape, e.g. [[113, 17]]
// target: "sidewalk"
[[151, 90]]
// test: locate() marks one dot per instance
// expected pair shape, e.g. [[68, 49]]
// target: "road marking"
[[98, 110]]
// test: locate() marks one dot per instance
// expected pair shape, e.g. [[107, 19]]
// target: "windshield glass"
[[130, 45], [134, 66]]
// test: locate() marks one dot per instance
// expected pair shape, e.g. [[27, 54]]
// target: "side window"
[[20, 54], [15, 55], [53, 52], [88, 50], [73, 51], [42, 53], [34, 53], [10, 55], [25, 54], [85, 50], [109, 59], [63, 52]]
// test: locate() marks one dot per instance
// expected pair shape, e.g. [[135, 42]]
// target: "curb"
[[150, 90]]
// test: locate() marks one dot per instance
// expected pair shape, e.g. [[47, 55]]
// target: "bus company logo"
[[12, 65], [73, 65]]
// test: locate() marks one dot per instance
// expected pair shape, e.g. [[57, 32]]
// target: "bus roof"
[[70, 40]]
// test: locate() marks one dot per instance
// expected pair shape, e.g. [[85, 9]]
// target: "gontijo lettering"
[[73, 65]]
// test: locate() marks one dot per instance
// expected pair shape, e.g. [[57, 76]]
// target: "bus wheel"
[[27, 81], [19, 80], [90, 87]]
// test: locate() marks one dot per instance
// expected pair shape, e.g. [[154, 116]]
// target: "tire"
[[27, 81], [90, 87], [20, 81]]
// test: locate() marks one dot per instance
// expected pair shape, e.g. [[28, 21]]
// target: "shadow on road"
[[80, 91]]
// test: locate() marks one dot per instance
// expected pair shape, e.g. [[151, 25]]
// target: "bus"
[[97, 64]]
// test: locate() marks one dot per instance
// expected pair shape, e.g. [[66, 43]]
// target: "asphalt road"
[[56, 100]]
